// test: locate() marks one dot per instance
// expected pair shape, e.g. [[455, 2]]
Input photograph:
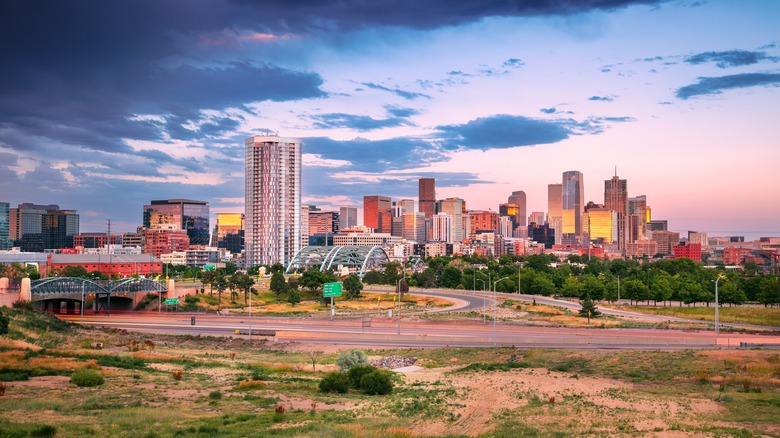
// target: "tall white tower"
[[273, 199]]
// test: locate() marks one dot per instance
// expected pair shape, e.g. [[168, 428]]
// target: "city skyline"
[[681, 96]]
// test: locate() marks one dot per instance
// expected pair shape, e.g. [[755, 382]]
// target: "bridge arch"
[[359, 259]]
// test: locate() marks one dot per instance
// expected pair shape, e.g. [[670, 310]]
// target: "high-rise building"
[[616, 199], [229, 232], [179, 214], [305, 224], [427, 196], [536, 217], [441, 228], [323, 222], [413, 227], [5, 226], [699, 237], [572, 206], [374, 208], [454, 208], [638, 215], [58, 228], [273, 199], [518, 198], [599, 223], [658, 225], [554, 211], [542, 234], [509, 211], [482, 222], [347, 217]]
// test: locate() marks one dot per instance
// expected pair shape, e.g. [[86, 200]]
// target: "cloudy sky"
[[106, 105]]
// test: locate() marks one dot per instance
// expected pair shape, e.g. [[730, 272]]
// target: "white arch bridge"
[[358, 259]]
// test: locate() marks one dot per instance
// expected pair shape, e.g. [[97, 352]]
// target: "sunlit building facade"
[[554, 211], [518, 198], [179, 214], [427, 196], [616, 199], [272, 200], [229, 232], [572, 206], [375, 209]]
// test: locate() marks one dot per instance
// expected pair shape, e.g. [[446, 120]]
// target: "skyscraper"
[[616, 199], [572, 206], [637, 218], [180, 214], [377, 209], [454, 208], [347, 217], [427, 196], [518, 198], [5, 226], [229, 232], [273, 199], [554, 211]]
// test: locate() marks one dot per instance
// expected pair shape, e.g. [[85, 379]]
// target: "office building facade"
[[616, 199], [347, 216], [179, 214], [427, 196], [5, 226], [572, 206], [272, 200], [554, 211], [518, 198], [375, 209]]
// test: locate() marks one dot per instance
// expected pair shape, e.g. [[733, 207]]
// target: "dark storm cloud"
[[551, 110], [716, 85], [358, 14], [503, 131], [730, 58], [356, 122]]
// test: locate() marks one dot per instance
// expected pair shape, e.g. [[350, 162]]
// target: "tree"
[[593, 285], [634, 289], [221, 282], [451, 277], [207, 277], [3, 324], [74, 271], [768, 293], [293, 297], [314, 357], [589, 309], [353, 286], [374, 277], [571, 287], [314, 279], [542, 285], [278, 284], [661, 287], [393, 272]]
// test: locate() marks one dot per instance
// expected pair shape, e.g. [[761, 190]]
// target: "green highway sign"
[[171, 301], [331, 290]]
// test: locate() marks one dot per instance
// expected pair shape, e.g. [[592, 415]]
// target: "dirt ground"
[[486, 396]]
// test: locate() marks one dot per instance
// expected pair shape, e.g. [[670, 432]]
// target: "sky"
[[107, 105]]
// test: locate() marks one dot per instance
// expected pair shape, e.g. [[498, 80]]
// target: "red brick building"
[[159, 242], [122, 265], [690, 250], [735, 255]]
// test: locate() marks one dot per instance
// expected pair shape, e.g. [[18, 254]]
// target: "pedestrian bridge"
[[65, 292], [358, 259]]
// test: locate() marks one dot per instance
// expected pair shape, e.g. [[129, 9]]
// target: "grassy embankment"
[[228, 387], [741, 314]]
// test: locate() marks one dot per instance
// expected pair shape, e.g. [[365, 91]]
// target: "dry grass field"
[[203, 386]]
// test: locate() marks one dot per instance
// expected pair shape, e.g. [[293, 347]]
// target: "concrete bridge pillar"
[[26, 292], [172, 288], [4, 283]]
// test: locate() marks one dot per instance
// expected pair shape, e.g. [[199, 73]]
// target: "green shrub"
[[86, 378], [377, 382], [37, 372], [3, 324], [14, 376], [351, 358], [215, 395], [357, 372], [22, 304], [335, 381]]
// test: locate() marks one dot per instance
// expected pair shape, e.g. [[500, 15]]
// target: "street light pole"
[[484, 302], [399, 302], [495, 308], [717, 316], [82, 301]]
